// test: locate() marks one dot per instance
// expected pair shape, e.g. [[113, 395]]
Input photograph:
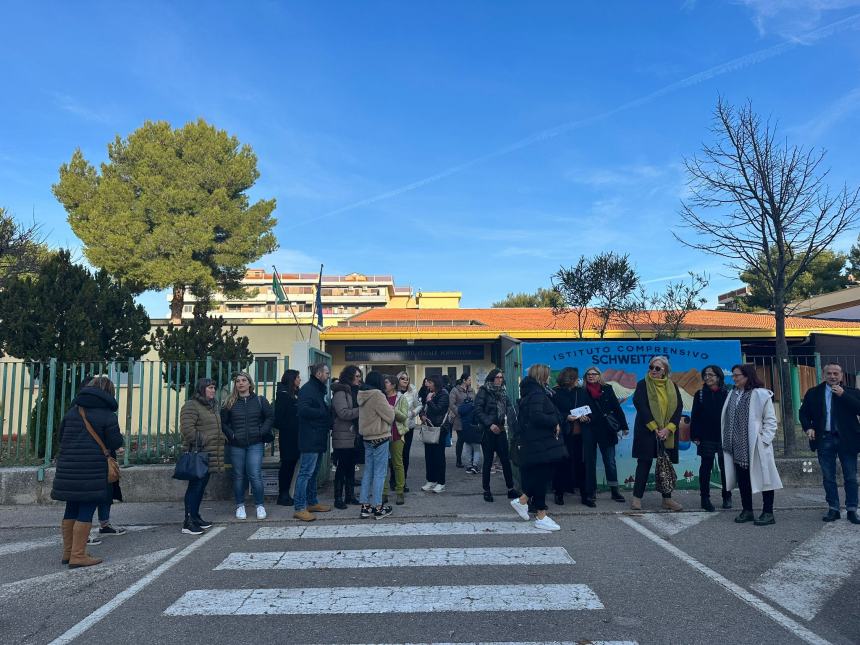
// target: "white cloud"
[[837, 111], [791, 18], [71, 105]]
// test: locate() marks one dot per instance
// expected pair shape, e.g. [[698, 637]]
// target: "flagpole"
[[287, 300], [318, 297]]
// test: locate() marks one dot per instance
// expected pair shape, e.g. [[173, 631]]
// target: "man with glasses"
[[829, 417]]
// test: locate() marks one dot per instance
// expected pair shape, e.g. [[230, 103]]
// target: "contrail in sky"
[[733, 65]]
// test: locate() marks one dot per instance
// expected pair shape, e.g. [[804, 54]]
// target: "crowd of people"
[[553, 435]]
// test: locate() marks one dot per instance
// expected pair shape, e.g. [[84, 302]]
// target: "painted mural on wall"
[[623, 364]]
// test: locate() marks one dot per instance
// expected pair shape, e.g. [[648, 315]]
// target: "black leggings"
[[434, 460], [407, 448], [496, 444], [643, 469], [344, 474], [705, 469], [536, 479], [745, 486], [458, 447], [285, 476]]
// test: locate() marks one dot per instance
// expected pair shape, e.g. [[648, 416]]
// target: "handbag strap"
[[92, 432]]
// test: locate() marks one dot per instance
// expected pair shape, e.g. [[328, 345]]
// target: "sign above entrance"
[[406, 353]]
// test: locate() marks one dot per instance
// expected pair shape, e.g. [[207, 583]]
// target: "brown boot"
[[671, 505], [79, 557], [304, 516], [636, 504], [319, 508], [67, 527]]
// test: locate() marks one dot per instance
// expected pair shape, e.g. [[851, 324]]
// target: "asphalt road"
[[473, 573]]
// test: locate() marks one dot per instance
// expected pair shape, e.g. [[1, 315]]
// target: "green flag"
[[277, 289]]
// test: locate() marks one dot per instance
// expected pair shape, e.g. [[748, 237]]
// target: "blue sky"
[[473, 146]]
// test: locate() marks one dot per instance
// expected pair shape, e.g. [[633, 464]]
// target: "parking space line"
[[778, 617], [120, 598]]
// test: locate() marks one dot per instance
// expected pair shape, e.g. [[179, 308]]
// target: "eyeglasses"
[[499, 378], [404, 378], [592, 374], [736, 375], [655, 368]]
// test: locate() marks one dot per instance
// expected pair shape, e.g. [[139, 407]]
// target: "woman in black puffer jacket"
[[434, 413], [81, 479], [246, 421], [539, 445]]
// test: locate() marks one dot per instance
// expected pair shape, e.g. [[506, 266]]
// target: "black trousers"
[[344, 474], [570, 473], [285, 476], [745, 486], [592, 439], [407, 448], [536, 479], [643, 469], [491, 445], [706, 467], [434, 460], [459, 447]]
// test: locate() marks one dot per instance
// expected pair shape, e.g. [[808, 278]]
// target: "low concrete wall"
[[155, 483]]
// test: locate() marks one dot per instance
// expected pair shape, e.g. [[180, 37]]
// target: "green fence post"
[[795, 392], [817, 367], [209, 367], [129, 400], [49, 435]]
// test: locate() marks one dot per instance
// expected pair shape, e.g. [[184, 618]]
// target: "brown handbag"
[[113, 466]]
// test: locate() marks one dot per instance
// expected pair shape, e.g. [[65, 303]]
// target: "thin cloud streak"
[[733, 65]]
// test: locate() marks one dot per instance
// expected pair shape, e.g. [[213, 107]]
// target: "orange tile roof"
[[541, 321]]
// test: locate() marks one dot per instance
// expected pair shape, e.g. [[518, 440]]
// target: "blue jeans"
[[592, 441], [829, 448], [247, 466], [194, 495], [80, 511], [306, 483], [375, 471], [104, 512]]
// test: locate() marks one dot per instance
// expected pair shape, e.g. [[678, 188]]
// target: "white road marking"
[[806, 578], [384, 600], [379, 529], [673, 523], [18, 547], [69, 580], [120, 598], [374, 558], [578, 642], [778, 617]]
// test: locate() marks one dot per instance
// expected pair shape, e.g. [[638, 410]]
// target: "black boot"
[[706, 504], [727, 500], [199, 521], [349, 492], [189, 527], [616, 496]]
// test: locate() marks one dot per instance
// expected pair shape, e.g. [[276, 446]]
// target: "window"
[[265, 369]]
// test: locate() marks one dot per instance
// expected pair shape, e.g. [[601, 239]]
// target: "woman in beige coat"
[[200, 425], [375, 416]]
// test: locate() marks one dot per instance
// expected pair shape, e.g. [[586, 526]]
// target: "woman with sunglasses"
[[600, 429], [658, 412], [435, 409], [494, 414], [749, 426], [706, 432], [411, 395]]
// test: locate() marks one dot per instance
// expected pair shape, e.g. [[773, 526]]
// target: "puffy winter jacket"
[[248, 422], [81, 466], [196, 416], [345, 417], [537, 440], [314, 417]]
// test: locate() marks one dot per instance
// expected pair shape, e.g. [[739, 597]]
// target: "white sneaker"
[[521, 509], [547, 524], [261, 512], [240, 513], [428, 486], [438, 488]]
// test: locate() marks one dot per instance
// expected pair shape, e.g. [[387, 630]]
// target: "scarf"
[[662, 400], [736, 429], [500, 397], [594, 390]]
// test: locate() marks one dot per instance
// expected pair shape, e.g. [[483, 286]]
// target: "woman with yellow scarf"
[[658, 411]]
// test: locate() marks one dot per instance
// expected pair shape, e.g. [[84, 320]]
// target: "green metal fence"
[[34, 395]]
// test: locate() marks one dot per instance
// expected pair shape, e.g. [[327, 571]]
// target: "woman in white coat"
[[749, 427]]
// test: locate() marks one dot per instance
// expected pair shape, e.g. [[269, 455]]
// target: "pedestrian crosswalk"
[[519, 593]]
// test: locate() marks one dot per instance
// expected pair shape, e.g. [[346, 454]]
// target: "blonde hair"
[[103, 382], [234, 393], [664, 361], [599, 375], [539, 372]]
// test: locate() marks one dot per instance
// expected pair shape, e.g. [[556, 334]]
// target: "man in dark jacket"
[[314, 427], [829, 417]]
